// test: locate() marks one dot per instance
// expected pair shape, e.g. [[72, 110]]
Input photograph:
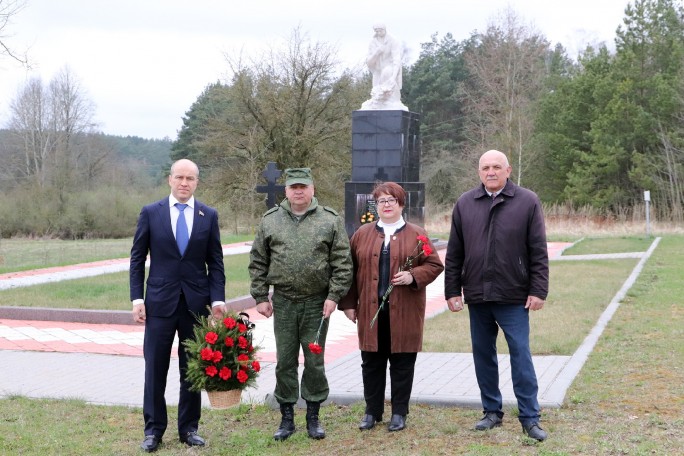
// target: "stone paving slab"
[[444, 379]]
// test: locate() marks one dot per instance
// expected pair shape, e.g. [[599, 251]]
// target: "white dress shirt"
[[189, 213]]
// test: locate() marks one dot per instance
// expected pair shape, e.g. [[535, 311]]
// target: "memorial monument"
[[384, 63], [385, 139]]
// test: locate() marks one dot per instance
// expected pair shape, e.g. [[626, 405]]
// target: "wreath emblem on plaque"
[[370, 213]]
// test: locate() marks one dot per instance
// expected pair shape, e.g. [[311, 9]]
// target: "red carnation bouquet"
[[221, 356], [422, 248]]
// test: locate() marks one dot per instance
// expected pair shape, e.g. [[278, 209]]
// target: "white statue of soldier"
[[384, 63]]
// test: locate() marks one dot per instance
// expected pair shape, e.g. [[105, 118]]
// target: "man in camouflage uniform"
[[302, 249]]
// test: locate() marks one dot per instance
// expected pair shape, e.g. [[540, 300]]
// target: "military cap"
[[298, 176]]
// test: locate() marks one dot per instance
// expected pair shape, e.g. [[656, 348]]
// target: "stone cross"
[[271, 173]]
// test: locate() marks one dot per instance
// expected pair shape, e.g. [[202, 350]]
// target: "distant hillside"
[[151, 154]]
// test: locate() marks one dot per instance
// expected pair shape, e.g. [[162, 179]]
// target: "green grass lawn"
[[110, 291], [605, 244], [579, 293], [627, 400], [26, 254]]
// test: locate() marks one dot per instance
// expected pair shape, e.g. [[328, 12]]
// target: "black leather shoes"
[[490, 421], [368, 422], [534, 431], [151, 443], [192, 439], [397, 423]]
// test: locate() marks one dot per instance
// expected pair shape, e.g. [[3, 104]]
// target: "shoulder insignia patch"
[[271, 210], [331, 210]]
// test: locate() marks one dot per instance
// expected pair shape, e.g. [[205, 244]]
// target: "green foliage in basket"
[[221, 356]]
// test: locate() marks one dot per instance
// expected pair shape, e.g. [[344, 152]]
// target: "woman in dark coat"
[[380, 251]]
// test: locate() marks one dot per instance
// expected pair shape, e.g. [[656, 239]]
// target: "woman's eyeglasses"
[[388, 201]]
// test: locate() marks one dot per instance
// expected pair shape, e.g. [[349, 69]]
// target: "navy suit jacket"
[[198, 274]]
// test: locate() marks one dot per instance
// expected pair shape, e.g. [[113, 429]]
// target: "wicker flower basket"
[[224, 399]]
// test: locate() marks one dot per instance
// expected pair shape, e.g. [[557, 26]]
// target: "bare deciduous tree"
[[53, 126], [9, 9], [290, 105], [669, 175], [507, 71], [295, 98], [32, 124]]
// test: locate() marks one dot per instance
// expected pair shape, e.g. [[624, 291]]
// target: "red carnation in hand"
[[217, 356], [229, 322], [225, 373], [242, 376], [314, 347], [211, 370], [229, 341], [207, 354], [256, 367], [242, 328], [243, 357], [211, 337], [421, 248]]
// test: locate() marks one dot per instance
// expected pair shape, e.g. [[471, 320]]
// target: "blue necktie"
[[182, 236]]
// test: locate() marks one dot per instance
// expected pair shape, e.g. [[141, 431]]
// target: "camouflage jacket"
[[302, 259]]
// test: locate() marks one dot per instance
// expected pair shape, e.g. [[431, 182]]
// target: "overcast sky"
[[144, 62]]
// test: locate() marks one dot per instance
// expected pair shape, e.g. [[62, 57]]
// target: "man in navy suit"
[[186, 276]]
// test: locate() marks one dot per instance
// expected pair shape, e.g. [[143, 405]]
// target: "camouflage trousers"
[[295, 324]]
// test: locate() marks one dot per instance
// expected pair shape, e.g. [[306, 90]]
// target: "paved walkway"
[[103, 363]]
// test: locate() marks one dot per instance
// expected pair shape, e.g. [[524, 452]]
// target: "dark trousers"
[[374, 373], [158, 342], [513, 319], [295, 324]]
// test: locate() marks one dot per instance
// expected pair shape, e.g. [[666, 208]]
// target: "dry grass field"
[[571, 226]]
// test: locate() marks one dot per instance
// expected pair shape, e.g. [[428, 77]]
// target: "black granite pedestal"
[[385, 147]]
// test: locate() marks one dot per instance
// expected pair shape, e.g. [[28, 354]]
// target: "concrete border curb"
[[101, 317], [567, 375]]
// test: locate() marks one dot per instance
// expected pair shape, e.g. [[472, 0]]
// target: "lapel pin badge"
[[201, 213]]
